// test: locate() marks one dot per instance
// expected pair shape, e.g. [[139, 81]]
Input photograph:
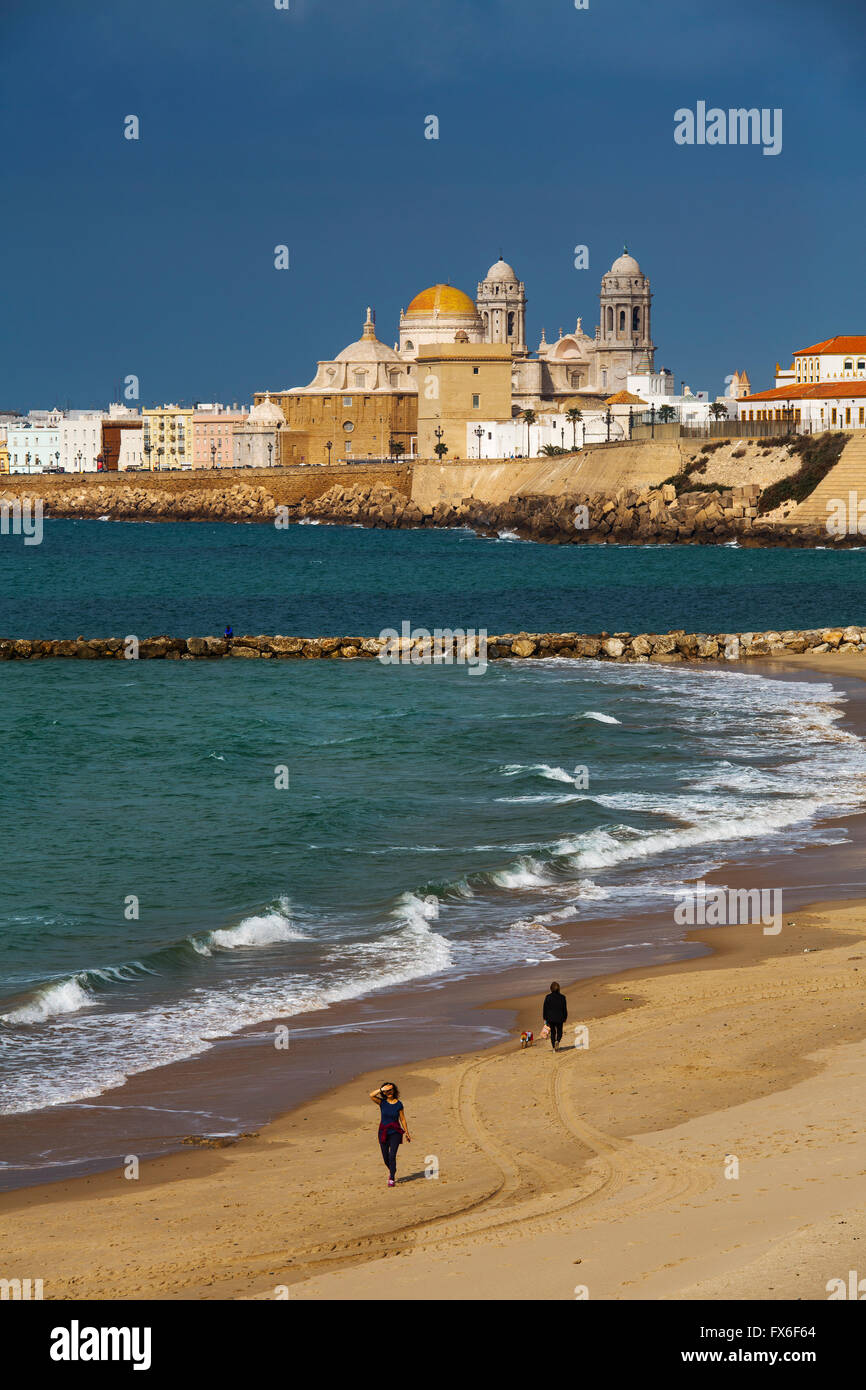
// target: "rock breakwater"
[[450, 648]]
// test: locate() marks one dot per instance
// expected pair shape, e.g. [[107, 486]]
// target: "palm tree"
[[440, 450], [529, 417], [667, 415], [717, 410], [551, 450], [397, 448], [574, 415]]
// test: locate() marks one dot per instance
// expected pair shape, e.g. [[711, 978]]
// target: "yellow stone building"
[[360, 405], [168, 437], [460, 382], [4, 456]]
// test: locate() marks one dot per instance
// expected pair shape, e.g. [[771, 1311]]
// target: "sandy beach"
[[705, 1143]]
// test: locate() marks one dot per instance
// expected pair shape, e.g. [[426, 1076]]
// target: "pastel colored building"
[[213, 437], [167, 437]]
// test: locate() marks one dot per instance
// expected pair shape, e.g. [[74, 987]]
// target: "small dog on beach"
[[526, 1038]]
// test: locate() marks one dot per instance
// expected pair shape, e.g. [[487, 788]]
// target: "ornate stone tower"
[[623, 338], [502, 305]]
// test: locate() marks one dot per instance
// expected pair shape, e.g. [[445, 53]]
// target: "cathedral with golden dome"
[[364, 402]]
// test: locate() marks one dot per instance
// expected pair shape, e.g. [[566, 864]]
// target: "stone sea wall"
[[640, 517], [421, 648], [630, 517]]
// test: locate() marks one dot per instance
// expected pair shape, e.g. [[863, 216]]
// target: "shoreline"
[[194, 1101], [277, 1211], [530, 1199]]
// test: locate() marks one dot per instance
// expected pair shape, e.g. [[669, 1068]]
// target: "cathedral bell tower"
[[623, 338], [502, 305]]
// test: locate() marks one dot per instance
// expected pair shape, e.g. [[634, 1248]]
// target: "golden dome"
[[445, 300]]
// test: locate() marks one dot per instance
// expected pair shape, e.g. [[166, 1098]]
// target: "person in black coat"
[[554, 1013]]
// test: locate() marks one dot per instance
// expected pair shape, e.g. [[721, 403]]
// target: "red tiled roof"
[[816, 391], [840, 344]]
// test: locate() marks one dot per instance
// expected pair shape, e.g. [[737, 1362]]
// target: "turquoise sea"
[[160, 891], [105, 579]]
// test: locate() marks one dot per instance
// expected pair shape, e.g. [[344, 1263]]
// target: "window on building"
[[635, 320], [849, 365], [622, 320], [474, 371], [847, 415], [860, 416], [861, 364], [476, 401], [347, 400]]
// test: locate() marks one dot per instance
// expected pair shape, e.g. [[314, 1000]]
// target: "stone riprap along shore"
[[450, 649], [653, 515]]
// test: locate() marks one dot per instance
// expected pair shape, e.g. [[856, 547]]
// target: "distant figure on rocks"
[[228, 633], [392, 1126], [554, 1013]]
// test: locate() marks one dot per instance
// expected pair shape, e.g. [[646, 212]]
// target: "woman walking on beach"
[[392, 1126], [554, 1013]]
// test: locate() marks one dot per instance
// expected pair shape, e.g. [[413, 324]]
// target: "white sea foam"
[[546, 770], [526, 873], [61, 997], [596, 714], [264, 930]]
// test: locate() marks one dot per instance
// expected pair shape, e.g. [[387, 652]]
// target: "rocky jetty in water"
[[420, 648]]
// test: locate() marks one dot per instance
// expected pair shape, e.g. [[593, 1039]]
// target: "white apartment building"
[[33, 448], [823, 389], [80, 434], [835, 359]]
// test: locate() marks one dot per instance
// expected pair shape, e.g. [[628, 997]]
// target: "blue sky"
[[305, 127]]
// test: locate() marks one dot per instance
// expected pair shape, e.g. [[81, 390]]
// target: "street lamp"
[[78, 456], [479, 435], [630, 420], [439, 433], [607, 419], [329, 446], [213, 455], [653, 419]]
